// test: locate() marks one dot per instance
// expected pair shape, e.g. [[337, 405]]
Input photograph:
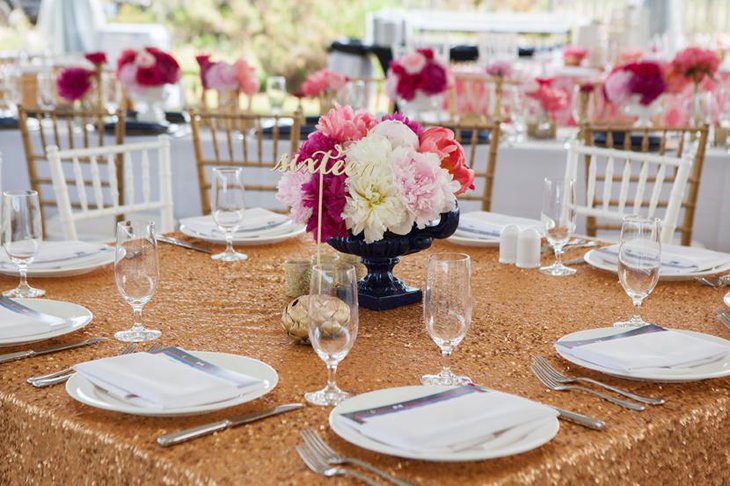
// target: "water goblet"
[[447, 307], [228, 206], [137, 273], [21, 237], [639, 261], [333, 323], [276, 92], [558, 217]]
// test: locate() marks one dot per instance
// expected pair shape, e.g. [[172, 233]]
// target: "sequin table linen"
[[48, 438]]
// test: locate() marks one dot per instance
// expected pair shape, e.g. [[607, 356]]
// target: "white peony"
[[397, 133]]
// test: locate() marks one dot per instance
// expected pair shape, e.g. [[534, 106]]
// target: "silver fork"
[[554, 385], [328, 455], [723, 317], [314, 463], [541, 362]]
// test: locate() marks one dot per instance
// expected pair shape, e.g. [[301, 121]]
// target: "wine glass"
[[447, 310], [21, 236], [558, 216], [333, 322], [46, 90], [276, 92], [136, 272], [639, 260], [228, 206]]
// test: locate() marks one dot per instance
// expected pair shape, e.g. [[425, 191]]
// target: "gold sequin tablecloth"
[[48, 438]]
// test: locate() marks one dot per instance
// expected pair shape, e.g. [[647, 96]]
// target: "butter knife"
[[195, 432], [184, 244], [576, 418], [61, 347]]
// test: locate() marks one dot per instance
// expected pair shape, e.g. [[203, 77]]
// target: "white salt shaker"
[[508, 244], [528, 249]]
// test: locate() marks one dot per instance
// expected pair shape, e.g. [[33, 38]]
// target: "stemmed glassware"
[[136, 272], [228, 207], [276, 92], [639, 261], [46, 90], [333, 323], [558, 217], [447, 310], [21, 236]]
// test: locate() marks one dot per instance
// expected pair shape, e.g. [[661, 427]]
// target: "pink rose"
[[413, 62], [248, 79], [499, 68], [440, 140]]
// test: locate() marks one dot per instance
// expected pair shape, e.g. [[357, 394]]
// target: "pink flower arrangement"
[[500, 69], [550, 99], [693, 64], [643, 79], [146, 68], [322, 82], [397, 176], [226, 76], [74, 83], [574, 55], [416, 72]]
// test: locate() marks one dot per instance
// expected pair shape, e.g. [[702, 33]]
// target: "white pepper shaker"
[[528, 249], [508, 244]]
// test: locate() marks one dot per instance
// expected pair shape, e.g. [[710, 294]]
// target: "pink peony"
[[616, 86], [499, 68], [694, 64], [440, 141], [413, 62], [74, 83], [248, 78], [221, 76], [550, 99], [343, 125], [291, 194], [322, 81]]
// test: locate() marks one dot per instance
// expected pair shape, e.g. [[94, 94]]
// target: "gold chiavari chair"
[[66, 129], [241, 140], [674, 141], [471, 136]]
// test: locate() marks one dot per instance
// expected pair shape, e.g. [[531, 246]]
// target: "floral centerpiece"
[[574, 55], [399, 181], [229, 79], [98, 59], [324, 84], [144, 73], [695, 66], [417, 81], [74, 83], [636, 85], [548, 100]]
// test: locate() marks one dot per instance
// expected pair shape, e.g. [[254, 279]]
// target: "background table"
[[204, 305]]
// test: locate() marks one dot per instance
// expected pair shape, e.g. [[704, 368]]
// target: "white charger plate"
[[524, 439], [82, 390], [715, 369], [66, 268], [594, 259], [266, 237], [475, 242], [80, 317]]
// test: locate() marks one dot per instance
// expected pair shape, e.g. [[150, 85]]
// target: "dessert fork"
[[316, 464]]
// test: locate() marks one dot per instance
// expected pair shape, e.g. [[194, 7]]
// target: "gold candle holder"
[[297, 272]]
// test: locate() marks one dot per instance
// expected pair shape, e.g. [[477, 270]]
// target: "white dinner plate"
[[714, 369], [79, 316], [475, 242], [525, 439], [594, 259], [266, 237], [81, 389], [465, 238], [66, 268]]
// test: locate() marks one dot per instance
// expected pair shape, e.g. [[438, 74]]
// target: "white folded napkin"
[[675, 260], [17, 320], [486, 225], [53, 254], [649, 347], [436, 424], [169, 379], [255, 222]]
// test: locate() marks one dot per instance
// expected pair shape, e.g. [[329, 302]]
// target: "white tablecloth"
[[518, 188]]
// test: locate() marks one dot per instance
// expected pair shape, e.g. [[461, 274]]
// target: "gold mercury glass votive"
[[297, 272]]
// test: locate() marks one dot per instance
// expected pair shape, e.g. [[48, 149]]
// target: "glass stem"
[[23, 270], [137, 318], [637, 313], [331, 376], [229, 242], [558, 256], [445, 361]]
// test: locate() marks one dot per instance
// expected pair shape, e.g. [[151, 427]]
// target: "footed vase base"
[[409, 296]]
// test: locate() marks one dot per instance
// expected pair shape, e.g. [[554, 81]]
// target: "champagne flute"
[[558, 216], [447, 310], [276, 92], [137, 273], [21, 237], [228, 207], [333, 323], [639, 260]]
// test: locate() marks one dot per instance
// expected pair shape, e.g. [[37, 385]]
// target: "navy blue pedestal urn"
[[380, 289]]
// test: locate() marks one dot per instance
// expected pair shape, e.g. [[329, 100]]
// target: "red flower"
[[204, 62], [73, 83], [168, 66], [427, 53], [126, 57], [433, 79], [96, 58], [440, 140]]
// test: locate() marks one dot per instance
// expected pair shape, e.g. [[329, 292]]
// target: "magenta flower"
[[74, 83], [334, 198]]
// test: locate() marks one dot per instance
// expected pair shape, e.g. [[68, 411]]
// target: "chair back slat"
[[80, 184], [129, 188], [608, 183], [641, 187], [111, 167], [625, 182], [146, 176], [656, 192], [96, 181]]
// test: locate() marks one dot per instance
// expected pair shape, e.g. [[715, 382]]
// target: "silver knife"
[[184, 244], [585, 421], [195, 432], [27, 354]]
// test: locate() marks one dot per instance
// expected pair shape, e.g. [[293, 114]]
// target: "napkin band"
[[361, 416], [188, 359], [650, 328]]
